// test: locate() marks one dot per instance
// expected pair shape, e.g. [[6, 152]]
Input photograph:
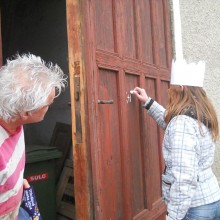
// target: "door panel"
[[134, 148], [159, 32], [109, 192], [129, 30], [144, 27], [105, 28], [152, 152]]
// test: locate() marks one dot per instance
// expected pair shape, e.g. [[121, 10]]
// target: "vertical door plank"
[[110, 191], [77, 91]]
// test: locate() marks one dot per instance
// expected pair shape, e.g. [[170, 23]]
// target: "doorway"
[[39, 27]]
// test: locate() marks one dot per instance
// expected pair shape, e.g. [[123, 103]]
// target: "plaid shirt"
[[188, 151]]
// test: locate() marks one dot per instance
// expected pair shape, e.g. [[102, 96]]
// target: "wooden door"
[[114, 46]]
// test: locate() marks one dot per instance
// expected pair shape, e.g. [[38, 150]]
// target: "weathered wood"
[[124, 53], [113, 47], [77, 90]]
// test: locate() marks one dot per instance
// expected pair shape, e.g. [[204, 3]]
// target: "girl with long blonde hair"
[[189, 187]]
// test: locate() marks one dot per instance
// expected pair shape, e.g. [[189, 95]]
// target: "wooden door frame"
[[80, 131]]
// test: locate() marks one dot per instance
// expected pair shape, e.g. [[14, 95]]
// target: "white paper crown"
[[191, 74]]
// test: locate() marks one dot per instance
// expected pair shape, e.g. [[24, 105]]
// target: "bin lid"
[[36, 153]]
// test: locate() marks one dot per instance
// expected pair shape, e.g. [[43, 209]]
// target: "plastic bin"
[[40, 171]]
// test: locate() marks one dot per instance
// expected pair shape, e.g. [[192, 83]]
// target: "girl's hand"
[[140, 94]]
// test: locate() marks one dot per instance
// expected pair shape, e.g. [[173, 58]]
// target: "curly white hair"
[[25, 84]]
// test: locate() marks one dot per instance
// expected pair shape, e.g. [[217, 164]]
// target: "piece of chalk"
[[131, 91]]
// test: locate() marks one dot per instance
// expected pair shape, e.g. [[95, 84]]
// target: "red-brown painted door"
[[120, 45]]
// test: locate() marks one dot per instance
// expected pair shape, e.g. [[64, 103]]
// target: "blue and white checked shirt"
[[188, 180]]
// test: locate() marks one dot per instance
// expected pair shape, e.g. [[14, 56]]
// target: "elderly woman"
[[190, 189], [28, 87]]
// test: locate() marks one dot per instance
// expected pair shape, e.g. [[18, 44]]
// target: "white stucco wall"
[[201, 41]]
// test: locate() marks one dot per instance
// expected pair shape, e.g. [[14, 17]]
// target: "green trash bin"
[[40, 171]]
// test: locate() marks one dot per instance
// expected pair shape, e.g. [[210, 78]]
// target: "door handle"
[[106, 101]]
